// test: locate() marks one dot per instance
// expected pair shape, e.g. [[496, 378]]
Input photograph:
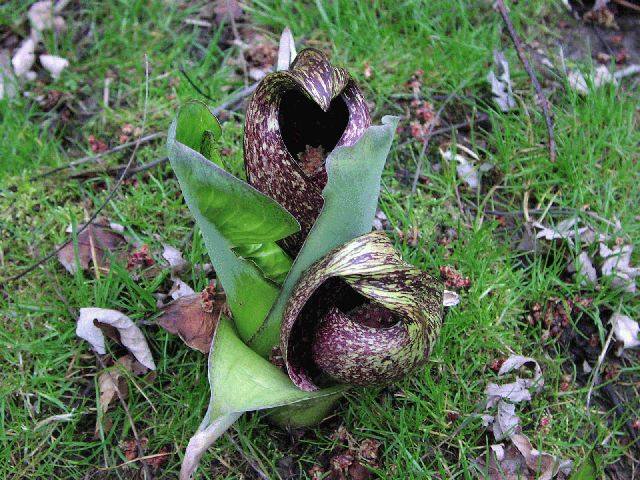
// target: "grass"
[[47, 370]]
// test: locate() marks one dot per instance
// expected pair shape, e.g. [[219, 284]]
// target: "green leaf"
[[350, 202], [588, 469], [242, 381], [235, 220], [199, 129]]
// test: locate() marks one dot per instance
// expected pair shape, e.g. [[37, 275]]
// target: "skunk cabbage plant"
[[294, 253]]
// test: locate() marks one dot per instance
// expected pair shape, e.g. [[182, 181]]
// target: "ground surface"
[[427, 425]]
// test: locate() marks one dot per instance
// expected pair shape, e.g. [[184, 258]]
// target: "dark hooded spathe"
[[294, 120]]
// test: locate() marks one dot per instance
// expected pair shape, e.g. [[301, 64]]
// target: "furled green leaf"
[[350, 201], [242, 381], [199, 129], [239, 224]]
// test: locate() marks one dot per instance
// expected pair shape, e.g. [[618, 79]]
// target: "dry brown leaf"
[[115, 377], [192, 321], [98, 240]]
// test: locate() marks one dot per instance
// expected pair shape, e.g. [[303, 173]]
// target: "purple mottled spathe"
[[310, 105], [360, 316]]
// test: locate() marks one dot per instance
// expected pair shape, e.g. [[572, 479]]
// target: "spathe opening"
[[308, 132]]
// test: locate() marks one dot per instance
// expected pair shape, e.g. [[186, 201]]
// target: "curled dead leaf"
[[193, 320], [88, 328]]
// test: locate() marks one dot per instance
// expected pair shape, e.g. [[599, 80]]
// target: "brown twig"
[[118, 169], [93, 158], [534, 80], [111, 194], [627, 4]]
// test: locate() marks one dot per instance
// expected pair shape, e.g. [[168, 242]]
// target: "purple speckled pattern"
[[375, 343], [270, 167]]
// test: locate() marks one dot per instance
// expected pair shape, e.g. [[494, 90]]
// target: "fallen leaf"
[[601, 76], [42, 17], [130, 447], [113, 380], [584, 267], [380, 221], [506, 422], [626, 331], [617, 264], [544, 465], [577, 82], [24, 57], [190, 320], [506, 395], [566, 230], [501, 87], [130, 335], [286, 50], [174, 258], [450, 298], [180, 289], [514, 392], [518, 460], [466, 169], [516, 361], [105, 241], [54, 64]]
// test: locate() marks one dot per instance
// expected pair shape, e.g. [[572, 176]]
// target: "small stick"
[[627, 4], [596, 370], [234, 99], [546, 110], [627, 71], [238, 41], [117, 170], [93, 158]]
